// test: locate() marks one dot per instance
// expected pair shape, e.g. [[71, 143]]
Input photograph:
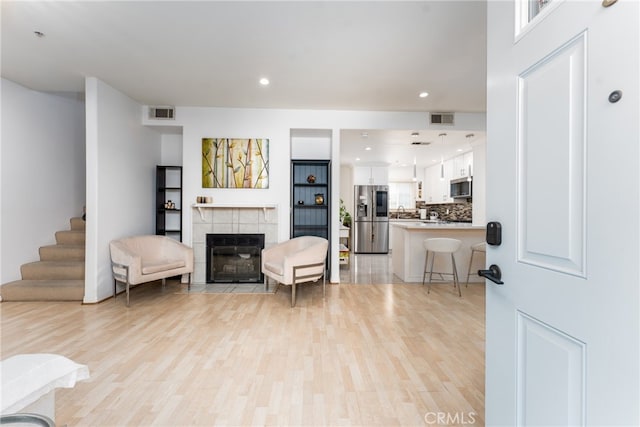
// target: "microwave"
[[461, 188]]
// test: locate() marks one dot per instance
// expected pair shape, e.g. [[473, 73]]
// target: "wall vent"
[[162, 113], [442, 118]]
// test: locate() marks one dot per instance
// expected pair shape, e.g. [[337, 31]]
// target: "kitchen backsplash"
[[446, 211], [450, 211]]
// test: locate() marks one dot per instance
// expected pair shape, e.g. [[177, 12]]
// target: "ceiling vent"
[[162, 113], [420, 143], [442, 118]]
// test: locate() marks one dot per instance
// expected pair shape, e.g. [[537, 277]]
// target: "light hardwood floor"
[[383, 354]]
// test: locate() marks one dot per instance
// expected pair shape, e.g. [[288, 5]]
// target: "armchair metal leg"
[[324, 282], [127, 293], [293, 294]]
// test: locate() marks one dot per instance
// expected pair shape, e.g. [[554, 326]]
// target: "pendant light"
[[442, 135], [415, 175]]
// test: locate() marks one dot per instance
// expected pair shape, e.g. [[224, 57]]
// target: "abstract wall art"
[[235, 163]]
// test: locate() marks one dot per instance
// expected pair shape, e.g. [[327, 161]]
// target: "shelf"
[[263, 206], [169, 188], [311, 219]]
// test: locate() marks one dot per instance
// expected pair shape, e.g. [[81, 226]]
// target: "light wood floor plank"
[[366, 355]]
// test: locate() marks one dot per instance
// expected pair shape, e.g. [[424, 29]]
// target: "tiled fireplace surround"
[[212, 219]]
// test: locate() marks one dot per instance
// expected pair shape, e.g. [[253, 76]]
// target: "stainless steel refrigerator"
[[371, 219]]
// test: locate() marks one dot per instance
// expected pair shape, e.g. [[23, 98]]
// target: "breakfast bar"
[[408, 253]]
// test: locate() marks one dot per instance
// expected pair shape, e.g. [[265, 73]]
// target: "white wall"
[[43, 172], [346, 187], [171, 152], [276, 125], [121, 159]]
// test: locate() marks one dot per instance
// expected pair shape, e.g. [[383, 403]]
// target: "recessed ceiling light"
[[423, 94], [367, 148], [357, 159], [459, 150], [364, 135], [39, 34], [264, 81], [415, 134]]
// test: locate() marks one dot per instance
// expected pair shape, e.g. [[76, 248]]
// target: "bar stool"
[[436, 246], [476, 247]]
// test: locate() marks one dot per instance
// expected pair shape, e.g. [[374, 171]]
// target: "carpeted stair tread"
[[58, 276], [53, 270], [77, 224], [43, 290], [62, 253], [70, 237]]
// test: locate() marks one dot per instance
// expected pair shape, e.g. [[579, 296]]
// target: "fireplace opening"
[[234, 258]]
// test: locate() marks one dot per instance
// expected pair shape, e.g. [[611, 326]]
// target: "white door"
[[563, 180]]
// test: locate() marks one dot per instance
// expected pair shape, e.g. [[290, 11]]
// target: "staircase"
[[58, 276]]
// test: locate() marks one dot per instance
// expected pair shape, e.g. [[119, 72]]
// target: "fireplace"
[[234, 258]]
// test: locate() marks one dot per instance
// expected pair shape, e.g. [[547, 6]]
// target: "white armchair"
[[298, 260], [143, 259]]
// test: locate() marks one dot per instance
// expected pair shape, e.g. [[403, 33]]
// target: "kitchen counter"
[[408, 253]]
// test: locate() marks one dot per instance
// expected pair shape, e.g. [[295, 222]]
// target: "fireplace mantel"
[[263, 206]]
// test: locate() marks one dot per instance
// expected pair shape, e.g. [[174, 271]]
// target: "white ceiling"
[[362, 55], [394, 147]]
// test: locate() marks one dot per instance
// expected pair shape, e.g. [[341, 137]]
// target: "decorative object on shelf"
[[204, 199], [235, 163], [301, 202], [319, 199], [169, 205], [311, 179]]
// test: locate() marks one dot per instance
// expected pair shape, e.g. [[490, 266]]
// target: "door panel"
[[551, 151], [550, 375], [380, 238], [563, 332], [362, 236]]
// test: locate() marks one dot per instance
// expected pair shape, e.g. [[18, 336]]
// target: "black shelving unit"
[[311, 198], [169, 190]]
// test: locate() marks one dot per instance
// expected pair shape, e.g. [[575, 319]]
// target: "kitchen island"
[[407, 257]]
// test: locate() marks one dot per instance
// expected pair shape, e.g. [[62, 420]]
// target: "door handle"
[[493, 273]]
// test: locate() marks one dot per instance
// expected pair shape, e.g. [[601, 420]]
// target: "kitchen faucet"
[[398, 211]]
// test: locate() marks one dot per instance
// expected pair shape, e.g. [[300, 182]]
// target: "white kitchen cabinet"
[[431, 184], [468, 163], [446, 182], [371, 175], [463, 165], [436, 188]]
